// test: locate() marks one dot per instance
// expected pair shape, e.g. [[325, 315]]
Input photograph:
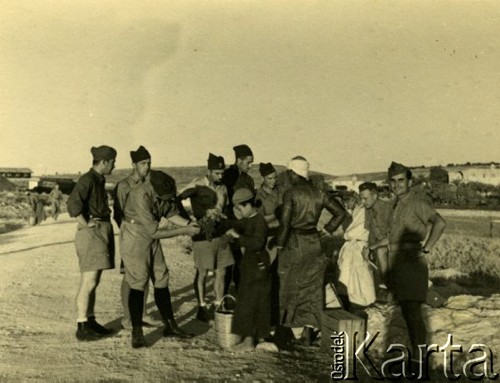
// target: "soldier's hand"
[[192, 230]]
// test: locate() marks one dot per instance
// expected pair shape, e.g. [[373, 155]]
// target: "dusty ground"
[[39, 278]]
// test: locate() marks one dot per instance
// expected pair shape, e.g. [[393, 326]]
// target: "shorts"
[[95, 247], [215, 254]]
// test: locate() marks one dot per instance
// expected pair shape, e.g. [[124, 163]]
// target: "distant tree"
[[438, 174]]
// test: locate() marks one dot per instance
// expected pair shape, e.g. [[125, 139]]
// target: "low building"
[[18, 176], [352, 181], [486, 174]]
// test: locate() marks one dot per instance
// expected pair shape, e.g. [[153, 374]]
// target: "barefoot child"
[[252, 315]]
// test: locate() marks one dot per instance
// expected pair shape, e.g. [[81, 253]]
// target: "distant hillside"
[[183, 174]]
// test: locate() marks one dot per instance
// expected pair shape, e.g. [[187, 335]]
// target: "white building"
[[485, 174]]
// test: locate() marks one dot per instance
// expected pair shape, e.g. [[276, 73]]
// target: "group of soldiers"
[[38, 202], [147, 208]]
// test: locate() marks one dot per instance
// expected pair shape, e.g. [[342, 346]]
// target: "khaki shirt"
[[144, 210], [121, 193], [409, 220], [377, 220], [270, 201]]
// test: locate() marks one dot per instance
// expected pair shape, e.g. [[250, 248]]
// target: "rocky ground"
[[39, 278]]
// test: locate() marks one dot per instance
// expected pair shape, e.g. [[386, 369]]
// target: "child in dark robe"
[[252, 316]]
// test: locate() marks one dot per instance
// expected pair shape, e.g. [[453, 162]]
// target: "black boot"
[[99, 329], [308, 336], [203, 314], [164, 304], [173, 330], [136, 307], [85, 333], [138, 340]]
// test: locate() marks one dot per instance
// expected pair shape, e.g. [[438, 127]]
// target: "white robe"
[[355, 270]]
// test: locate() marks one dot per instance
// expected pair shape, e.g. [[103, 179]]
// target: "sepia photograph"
[[249, 190]]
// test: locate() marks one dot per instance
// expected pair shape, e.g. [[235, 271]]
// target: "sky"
[[350, 85]]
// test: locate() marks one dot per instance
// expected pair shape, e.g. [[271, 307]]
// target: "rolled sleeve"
[[424, 211]]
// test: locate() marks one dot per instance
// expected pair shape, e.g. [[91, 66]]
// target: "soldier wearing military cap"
[[236, 177], [268, 194], [141, 164], [94, 240], [414, 229], [208, 198], [141, 250]]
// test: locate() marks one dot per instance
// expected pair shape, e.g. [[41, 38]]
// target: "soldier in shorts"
[[208, 197], [94, 240]]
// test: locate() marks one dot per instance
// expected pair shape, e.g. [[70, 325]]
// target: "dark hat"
[[215, 162], [266, 169], [242, 151], [103, 153], [367, 186], [140, 154], [163, 184], [396, 169], [347, 194], [242, 195]]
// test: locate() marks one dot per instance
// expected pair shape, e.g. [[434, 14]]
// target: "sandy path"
[[39, 278]]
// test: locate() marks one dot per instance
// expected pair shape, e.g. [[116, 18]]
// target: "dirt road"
[[38, 282], [39, 278]]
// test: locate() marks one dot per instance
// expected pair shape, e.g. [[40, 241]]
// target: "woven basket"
[[223, 323]]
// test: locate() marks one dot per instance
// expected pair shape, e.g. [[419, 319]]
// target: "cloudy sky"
[[351, 85]]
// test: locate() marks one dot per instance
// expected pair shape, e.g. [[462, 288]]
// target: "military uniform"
[[234, 180], [209, 251], [95, 245], [142, 254], [409, 273], [269, 199], [121, 193], [377, 220], [56, 197], [94, 239]]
